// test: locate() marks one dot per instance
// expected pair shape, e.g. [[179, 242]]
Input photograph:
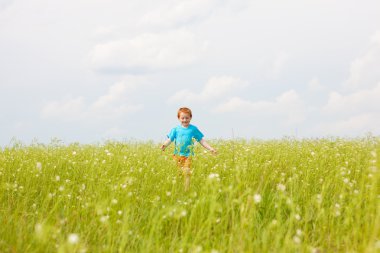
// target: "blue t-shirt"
[[183, 139]]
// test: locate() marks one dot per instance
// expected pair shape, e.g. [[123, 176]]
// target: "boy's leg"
[[184, 168], [179, 164], [187, 173]]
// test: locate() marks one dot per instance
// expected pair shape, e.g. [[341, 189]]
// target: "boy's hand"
[[213, 151], [166, 143]]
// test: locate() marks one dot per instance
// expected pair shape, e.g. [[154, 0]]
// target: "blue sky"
[[89, 71]]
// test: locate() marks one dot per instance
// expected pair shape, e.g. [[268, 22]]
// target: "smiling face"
[[184, 118]]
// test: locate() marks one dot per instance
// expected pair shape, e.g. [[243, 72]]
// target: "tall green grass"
[[311, 195]]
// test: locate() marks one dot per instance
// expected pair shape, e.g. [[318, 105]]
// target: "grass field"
[[311, 195]]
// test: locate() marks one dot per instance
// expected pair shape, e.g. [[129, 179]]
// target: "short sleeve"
[[173, 134], [198, 134]]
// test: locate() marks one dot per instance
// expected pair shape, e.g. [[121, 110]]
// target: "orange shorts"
[[182, 161]]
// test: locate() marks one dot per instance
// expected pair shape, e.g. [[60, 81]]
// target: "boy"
[[182, 136]]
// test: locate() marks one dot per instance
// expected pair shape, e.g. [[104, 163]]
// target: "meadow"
[[287, 195]]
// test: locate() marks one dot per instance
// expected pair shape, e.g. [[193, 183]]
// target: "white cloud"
[[364, 71], [354, 125], [314, 85], [214, 88], [276, 65], [67, 109], [41, 47], [280, 62], [357, 111], [365, 100], [288, 105], [109, 106], [179, 13], [5, 3], [114, 111], [103, 31], [115, 132], [116, 92], [148, 51]]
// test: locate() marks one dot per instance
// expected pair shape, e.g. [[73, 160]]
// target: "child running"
[[183, 136]]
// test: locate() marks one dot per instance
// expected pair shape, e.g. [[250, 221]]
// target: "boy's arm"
[[207, 146], [166, 143]]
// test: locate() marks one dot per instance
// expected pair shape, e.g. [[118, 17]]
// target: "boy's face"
[[185, 119]]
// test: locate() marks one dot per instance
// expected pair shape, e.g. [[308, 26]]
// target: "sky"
[[91, 71]]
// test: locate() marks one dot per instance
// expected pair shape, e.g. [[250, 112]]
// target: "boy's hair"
[[184, 110]]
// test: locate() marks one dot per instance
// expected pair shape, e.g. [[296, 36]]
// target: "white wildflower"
[[281, 187], [257, 198], [213, 175], [296, 239], [38, 228], [39, 165], [319, 198], [104, 219], [73, 238], [198, 249], [314, 250]]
